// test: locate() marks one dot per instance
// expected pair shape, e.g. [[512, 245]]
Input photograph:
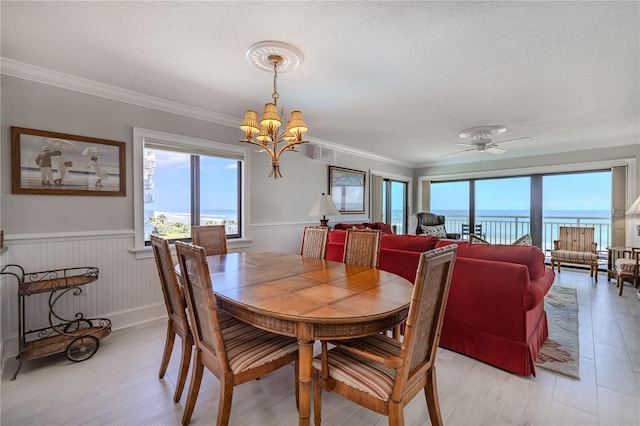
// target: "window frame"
[[199, 146]]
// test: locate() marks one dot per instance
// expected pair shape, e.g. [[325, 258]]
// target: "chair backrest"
[[576, 239], [362, 247], [212, 237], [173, 296], [426, 312], [465, 229], [203, 311], [428, 219], [314, 241]]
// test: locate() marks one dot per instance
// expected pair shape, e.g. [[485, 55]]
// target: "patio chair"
[[628, 269], [362, 247], [212, 237], [383, 374], [234, 351], [314, 241], [175, 303], [575, 245]]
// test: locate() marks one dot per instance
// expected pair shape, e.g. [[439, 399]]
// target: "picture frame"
[[347, 189], [52, 163]]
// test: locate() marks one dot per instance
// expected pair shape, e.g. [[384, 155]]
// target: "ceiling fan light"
[[270, 117]]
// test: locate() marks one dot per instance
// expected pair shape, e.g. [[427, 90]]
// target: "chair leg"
[[187, 344], [620, 284], [431, 393], [226, 397], [396, 414], [194, 388], [317, 399], [168, 348], [297, 384]]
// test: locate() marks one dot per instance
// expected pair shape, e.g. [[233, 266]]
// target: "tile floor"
[[119, 385]]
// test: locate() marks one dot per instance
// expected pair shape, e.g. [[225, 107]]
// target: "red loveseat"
[[495, 312]]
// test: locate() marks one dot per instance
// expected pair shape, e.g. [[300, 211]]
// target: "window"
[[180, 182], [507, 208]]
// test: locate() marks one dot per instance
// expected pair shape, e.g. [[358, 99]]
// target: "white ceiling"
[[397, 79]]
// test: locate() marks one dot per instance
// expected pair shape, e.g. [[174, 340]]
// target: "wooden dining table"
[[310, 299]]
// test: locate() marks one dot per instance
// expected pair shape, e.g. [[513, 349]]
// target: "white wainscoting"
[[127, 291]]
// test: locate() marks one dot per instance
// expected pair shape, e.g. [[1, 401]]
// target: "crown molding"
[[30, 72], [66, 81]]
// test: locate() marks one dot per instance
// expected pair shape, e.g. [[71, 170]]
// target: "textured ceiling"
[[397, 79]]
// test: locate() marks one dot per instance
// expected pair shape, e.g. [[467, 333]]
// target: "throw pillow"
[[434, 231], [525, 240], [474, 239]]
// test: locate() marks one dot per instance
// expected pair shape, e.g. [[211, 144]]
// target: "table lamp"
[[634, 210], [324, 206]]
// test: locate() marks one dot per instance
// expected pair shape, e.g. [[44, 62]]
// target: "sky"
[[579, 191], [172, 183]]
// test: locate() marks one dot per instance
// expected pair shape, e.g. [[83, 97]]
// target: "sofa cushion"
[[530, 256], [474, 239], [337, 236], [408, 242], [434, 231], [345, 226], [384, 227]]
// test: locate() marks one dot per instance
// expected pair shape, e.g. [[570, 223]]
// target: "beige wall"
[[51, 231]]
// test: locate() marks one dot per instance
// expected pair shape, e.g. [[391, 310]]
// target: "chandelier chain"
[[275, 95]]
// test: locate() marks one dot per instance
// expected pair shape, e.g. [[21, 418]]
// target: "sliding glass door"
[[394, 204]]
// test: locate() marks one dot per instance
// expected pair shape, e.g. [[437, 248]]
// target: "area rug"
[[560, 353]]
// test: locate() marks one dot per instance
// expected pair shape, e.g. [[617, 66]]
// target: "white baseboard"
[[119, 320]]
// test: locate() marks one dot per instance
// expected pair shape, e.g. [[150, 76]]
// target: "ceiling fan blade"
[[516, 139], [465, 144], [495, 150], [459, 152]]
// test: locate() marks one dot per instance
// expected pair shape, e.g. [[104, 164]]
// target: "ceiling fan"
[[480, 139]]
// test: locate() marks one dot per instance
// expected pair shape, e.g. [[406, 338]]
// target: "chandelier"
[[268, 133]]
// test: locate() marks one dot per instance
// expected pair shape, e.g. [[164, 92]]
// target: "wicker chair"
[[382, 374], [234, 351], [362, 247], [175, 303], [314, 241], [575, 245], [628, 269], [212, 237]]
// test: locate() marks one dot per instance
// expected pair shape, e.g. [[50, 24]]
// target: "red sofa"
[[495, 312]]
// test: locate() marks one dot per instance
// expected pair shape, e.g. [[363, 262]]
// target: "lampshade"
[[270, 116], [323, 206], [250, 123], [634, 210]]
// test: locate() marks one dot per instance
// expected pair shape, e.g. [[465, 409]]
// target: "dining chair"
[[212, 237], [234, 351], [383, 374], [175, 303], [362, 247], [314, 241]]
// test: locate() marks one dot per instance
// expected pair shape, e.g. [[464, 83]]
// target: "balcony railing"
[[506, 229]]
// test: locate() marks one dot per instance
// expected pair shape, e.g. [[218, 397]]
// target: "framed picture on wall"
[[347, 189], [53, 163]]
